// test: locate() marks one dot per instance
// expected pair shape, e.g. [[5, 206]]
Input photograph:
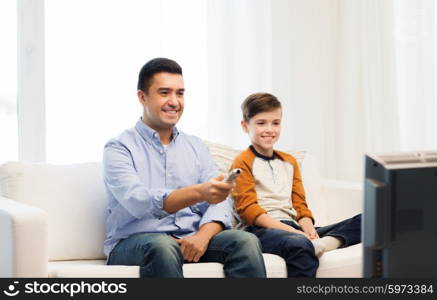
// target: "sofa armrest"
[[23, 240], [344, 199]]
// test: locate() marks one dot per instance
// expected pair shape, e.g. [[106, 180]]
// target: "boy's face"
[[264, 130]]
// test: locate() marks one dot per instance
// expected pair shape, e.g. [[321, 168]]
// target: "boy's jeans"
[[298, 251], [159, 255]]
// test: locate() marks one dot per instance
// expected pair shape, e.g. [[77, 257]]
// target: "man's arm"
[[213, 191], [210, 212], [123, 182]]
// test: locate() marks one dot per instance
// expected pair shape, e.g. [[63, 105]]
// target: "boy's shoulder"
[[245, 157], [286, 156]]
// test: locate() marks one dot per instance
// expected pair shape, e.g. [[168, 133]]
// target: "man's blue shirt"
[[139, 174]]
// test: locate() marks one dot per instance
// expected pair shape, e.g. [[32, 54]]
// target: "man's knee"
[[244, 240], [161, 257], [162, 247]]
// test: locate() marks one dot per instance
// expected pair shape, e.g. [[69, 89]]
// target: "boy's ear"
[[244, 126]]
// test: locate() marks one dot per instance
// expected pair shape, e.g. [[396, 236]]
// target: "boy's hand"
[[215, 190], [299, 232], [308, 227]]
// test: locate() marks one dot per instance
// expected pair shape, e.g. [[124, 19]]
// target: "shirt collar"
[[252, 148], [151, 134]]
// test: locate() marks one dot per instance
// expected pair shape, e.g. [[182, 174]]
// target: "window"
[[94, 51], [8, 79]]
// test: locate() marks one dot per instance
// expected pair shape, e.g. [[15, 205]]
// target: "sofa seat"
[[341, 263], [275, 267], [345, 262]]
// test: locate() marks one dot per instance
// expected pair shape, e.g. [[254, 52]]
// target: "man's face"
[[164, 101], [264, 130]]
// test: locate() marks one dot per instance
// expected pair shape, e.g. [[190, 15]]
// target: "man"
[[166, 204]]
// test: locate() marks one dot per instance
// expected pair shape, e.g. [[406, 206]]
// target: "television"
[[399, 231]]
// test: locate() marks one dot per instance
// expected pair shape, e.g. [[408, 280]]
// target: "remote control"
[[232, 175]]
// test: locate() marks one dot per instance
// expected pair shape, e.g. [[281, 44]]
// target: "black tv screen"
[[399, 229]]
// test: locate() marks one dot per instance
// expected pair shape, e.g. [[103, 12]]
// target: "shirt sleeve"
[[123, 182], [298, 195], [221, 212], [244, 193]]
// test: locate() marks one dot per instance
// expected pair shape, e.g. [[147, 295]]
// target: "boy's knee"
[[300, 243]]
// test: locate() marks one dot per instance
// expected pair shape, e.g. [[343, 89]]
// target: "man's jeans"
[[159, 255], [298, 251]]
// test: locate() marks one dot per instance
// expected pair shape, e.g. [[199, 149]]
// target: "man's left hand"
[[193, 247]]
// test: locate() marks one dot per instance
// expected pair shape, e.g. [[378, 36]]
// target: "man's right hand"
[[215, 190]]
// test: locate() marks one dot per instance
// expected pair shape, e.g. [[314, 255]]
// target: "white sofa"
[[52, 221]]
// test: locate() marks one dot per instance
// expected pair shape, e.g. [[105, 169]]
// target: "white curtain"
[[364, 114], [416, 37], [331, 63], [8, 82], [354, 76], [239, 63], [94, 51], [385, 96]]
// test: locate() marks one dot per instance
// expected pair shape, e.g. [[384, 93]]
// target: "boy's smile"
[[264, 129]]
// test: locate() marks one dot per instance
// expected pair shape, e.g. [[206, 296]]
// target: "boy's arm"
[[298, 195], [308, 227], [304, 216], [266, 221], [244, 193]]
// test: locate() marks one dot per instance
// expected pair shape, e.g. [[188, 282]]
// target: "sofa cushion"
[[342, 263], [339, 263], [275, 267], [73, 197], [224, 155]]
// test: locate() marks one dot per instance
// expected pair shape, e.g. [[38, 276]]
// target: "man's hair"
[[258, 103], [154, 66]]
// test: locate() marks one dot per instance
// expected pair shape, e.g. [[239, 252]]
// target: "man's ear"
[[141, 97], [244, 126]]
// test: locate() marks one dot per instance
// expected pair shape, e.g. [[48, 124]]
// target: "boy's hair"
[[258, 103], [154, 66]]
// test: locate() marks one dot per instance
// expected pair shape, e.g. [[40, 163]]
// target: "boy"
[[270, 199]]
